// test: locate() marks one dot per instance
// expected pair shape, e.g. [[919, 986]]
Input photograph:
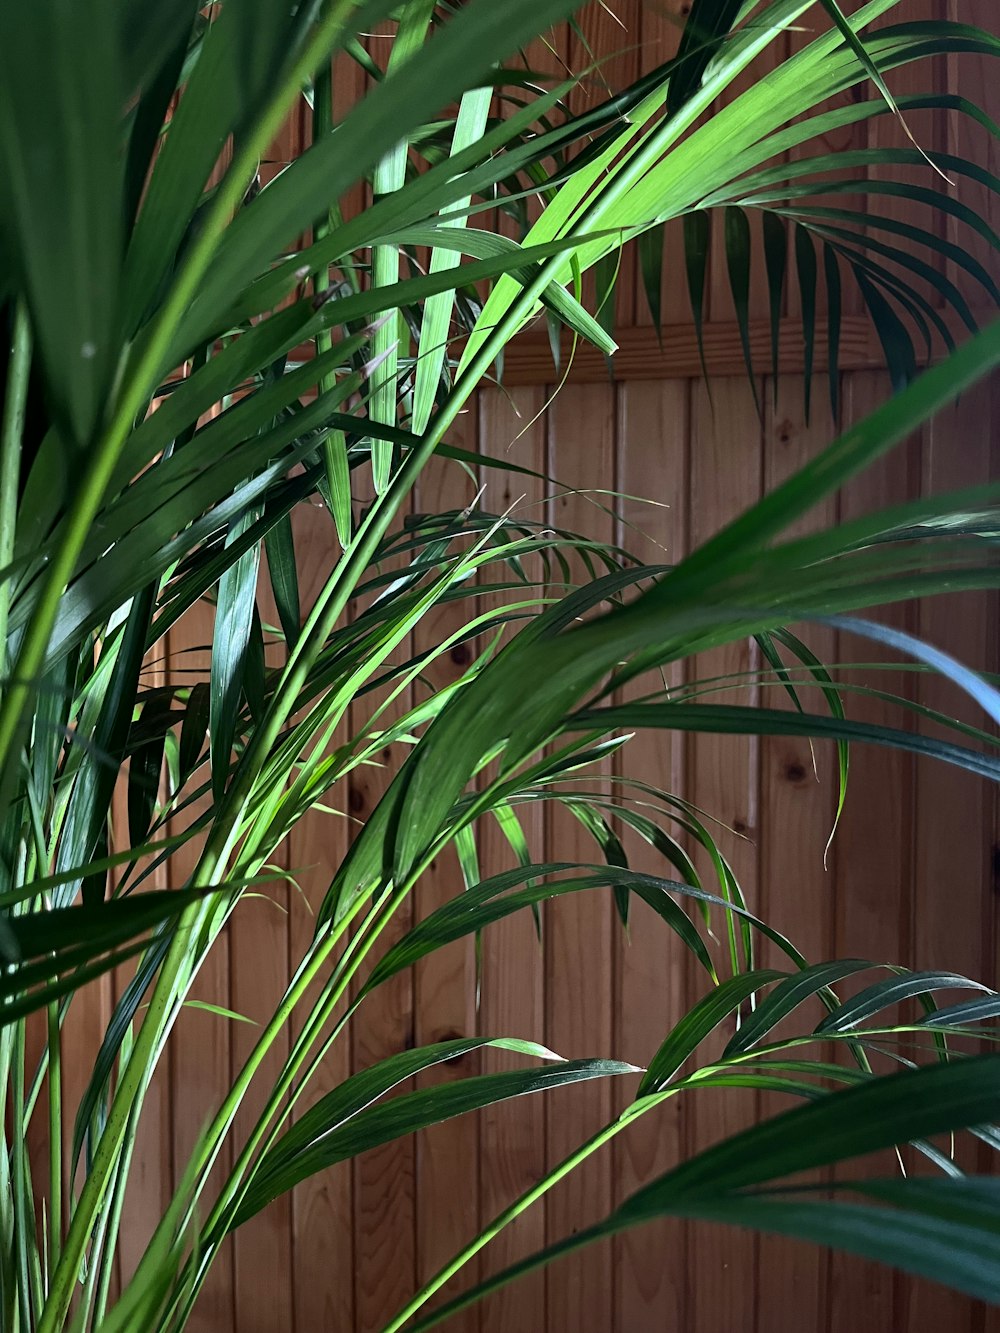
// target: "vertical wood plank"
[[723, 781], [82, 1033], [445, 981], [512, 1142], [578, 930], [385, 1177], [874, 862], [200, 1045], [651, 1262], [259, 974], [951, 907], [322, 1267], [796, 892], [321, 1273]]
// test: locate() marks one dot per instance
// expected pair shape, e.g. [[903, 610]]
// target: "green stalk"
[[234, 1189], [338, 472], [24, 1222], [8, 1284], [389, 176], [54, 1043], [86, 1300], [308, 971], [504, 1219], [114, 1218], [231, 1194], [11, 436]]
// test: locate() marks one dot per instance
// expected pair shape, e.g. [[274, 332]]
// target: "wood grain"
[[949, 873], [651, 1263], [643, 356], [258, 943], [578, 928], [385, 1263], [873, 884], [798, 802], [723, 780], [512, 1134], [200, 1046], [445, 981], [322, 1270]]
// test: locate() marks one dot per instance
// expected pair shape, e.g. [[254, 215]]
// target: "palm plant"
[[192, 357]]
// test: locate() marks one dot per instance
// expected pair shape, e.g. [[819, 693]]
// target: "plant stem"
[[503, 1219], [11, 436], [232, 1192], [338, 473], [215, 1133], [54, 1045], [24, 1223], [114, 1216]]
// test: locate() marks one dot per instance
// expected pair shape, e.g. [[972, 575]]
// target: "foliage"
[[193, 355]]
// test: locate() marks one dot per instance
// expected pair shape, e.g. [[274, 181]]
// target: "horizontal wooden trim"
[[642, 356]]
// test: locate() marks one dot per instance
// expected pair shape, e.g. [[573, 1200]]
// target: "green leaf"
[[407, 1113], [881, 1113], [737, 236], [469, 126], [280, 546], [834, 304], [87, 810], [194, 728], [805, 262], [63, 205], [711, 1010], [651, 245], [697, 235], [787, 996], [500, 895], [736, 719], [457, 59], [708, 22], [776, 264], [145, 768], [873, 999], [233, 620]]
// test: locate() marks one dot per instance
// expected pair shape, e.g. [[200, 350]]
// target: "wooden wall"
[[909, 877]]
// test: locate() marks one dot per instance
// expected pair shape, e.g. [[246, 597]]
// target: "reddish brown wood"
[[651, 1263], [798, 803], [643, 356], [445, 981], [512, 1134], [723, 779], [874, 864], [578, 927]]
